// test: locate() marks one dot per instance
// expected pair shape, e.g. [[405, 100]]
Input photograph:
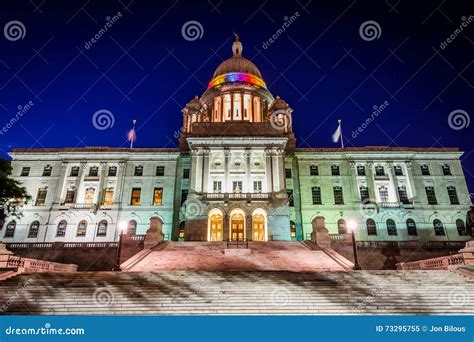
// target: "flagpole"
[[133, 130], [342, 137]]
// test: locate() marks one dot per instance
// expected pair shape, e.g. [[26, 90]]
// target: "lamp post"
[[352, 226], [121, 226]]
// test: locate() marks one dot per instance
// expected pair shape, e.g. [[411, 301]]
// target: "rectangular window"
[[425, 170], [364, 194], [217, 186], [47, 171], [288, 173], [136, 194], [453, 195], [335, 170], [138, 171], [109, 196], [94, 171], [70, 195], [41, 197], [431, 195], [112, 171], [398, 170], [316, 194], [379, 171], [257, 186], [383, 194], [291, 199], [89, 196], [338, 196], [313, 170], [237, 186], [185, 173], [158, 196], [360, 170], [160, 171], [25, 171], [184, 196], [74, 171], [446, 170], [402, 194]]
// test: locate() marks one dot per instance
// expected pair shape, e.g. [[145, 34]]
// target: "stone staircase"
[[239, 293], [212, 256]]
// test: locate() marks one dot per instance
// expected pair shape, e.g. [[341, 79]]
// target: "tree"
[[12, 194]]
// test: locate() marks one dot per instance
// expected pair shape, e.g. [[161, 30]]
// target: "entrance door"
[[216, 227], [237, 228]]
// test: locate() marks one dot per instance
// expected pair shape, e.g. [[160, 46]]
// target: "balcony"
[[236, 196], [78, 206], [390, 205]]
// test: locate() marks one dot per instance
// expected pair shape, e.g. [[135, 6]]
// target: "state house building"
[[238, 174]]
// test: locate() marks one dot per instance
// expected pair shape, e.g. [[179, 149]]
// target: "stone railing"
[[237, 196], [441, 263], [390, 205], [27, 265], [339, 237]]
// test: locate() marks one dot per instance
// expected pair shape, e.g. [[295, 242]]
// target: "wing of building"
[[239, 175]]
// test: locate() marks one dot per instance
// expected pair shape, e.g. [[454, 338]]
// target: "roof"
[[378, 149], [93, 149]]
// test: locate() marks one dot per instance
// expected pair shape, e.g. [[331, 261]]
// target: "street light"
[[352, 227], [122, 226]]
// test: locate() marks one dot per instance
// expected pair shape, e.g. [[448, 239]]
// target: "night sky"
[[144, 68]]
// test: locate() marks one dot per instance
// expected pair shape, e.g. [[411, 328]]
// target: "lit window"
[[257, 186], [109, 196], [61, 230], [136, 194], [102, 228], [89, 196], [292, 229], [70, 194], [237, 186], [217, 186], [181, 230], [81, 228], [41, 197], [158, 196]]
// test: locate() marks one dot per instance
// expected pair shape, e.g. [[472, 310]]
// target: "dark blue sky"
[[143, 68]]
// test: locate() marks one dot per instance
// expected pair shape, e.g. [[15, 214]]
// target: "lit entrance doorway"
[[215, 225], [237, 227], [258, 227]]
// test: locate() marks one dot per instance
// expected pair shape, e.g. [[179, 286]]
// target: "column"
[[225, 227], [248, 227], [249, 185], [242, 105], [370, 180], [226, 187], [394, 180], [232, 106], [205, 171], [194, 171], [60, 185], [102, 181], [411, 180], [79, 179], [355, 186], [121, 174], [277, 167], [268, 170]]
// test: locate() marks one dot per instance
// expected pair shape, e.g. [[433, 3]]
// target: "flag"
[[132, 136], [337, 134]]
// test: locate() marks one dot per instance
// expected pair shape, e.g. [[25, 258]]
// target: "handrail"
[[440, 263]]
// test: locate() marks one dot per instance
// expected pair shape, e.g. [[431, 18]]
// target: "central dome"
[[237, 63]]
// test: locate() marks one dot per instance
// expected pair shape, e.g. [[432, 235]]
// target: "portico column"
[[227, 187], [248, 181], [370, 180], [225, 227], [268, 169], [60, 185], [205, 173], [355, 186], [248, 227], [120, 181], [79, 179], [194, 171], [102, 181], [411, 180], [394, 180]]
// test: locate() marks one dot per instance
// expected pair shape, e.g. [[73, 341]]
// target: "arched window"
[[81, 228], [61, 230], [292, 229], [258, 227], [461, 227], [391, 227], [371, 227], [102, 228], [341, 227], [411, 227], [438, 228], [132, 227], [33, 231], [10, 231], [182, 225]]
